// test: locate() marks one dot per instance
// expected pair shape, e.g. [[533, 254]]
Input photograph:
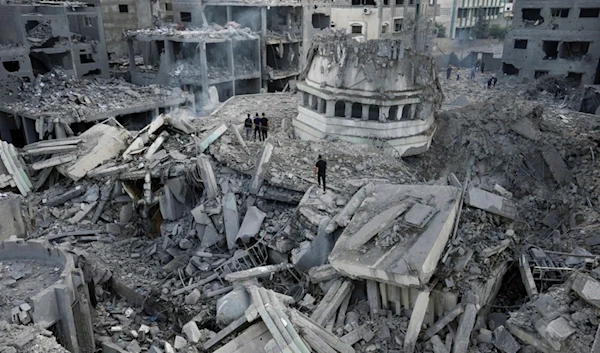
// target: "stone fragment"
[[133, 347], [192, 332], [587, 288], [504, 341], [559, 329], [193, 297], [251, 224], [180, 343], [485, 336]]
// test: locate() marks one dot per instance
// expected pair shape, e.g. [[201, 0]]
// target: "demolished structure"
[[37, 38], [378, 93]]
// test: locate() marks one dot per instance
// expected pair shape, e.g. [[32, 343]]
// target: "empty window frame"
[[540, 73], [574, 77], [168, 6], [521, 43], [531, 14], [385, 28], [124, 8], [573, 50], [186, 16], [399, 2], [87, 21], [398, 24], [550, 48], [564, 13], [356, 29], [589, 12]]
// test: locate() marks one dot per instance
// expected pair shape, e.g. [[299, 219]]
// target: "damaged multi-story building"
[[379, 92], [35, 38], [554, 38]]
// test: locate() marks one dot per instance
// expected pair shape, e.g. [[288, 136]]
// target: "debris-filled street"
[[258, 178]]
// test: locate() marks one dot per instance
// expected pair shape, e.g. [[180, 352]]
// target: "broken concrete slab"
[[465, 327], [587, 288], [504, 341], [100, 144], [170, 208], [212, 137], [375, 225], [407, 263], [493, 203], [256, 272], [317, 252], [192, 332], [231, 218], [208, 176], [557, 166], [419, 215], [263, 161], [343, 217], [11, 219], [251, 224], [416, 320]]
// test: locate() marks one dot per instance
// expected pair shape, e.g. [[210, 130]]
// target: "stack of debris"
[[231, 30]]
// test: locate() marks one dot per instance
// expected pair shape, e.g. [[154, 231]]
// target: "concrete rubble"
[[179, 233]]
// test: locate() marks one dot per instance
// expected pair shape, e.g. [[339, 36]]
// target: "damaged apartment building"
[[35, 38], [554, 38]]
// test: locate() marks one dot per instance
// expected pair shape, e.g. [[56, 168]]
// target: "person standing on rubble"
[[482, 66], [448, 72], [248, 126], [472, 72], [264, 126], [320, 168], [257, 127]]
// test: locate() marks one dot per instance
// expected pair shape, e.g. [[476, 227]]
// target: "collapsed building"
[[549, 38], [224, 59], [379, 92], [35, 38]]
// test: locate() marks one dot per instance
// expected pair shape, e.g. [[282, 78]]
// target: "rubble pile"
[[32, 339], [57, 95], [200, 238], [231, 30]]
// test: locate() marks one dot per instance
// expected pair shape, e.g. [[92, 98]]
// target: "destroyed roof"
[[71, 100], [211, 33]]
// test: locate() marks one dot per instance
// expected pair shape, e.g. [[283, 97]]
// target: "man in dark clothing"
[[448, 72], [320, 168], [248, 126], [492, 81], [257, 127], [482, 66], [264, 126]]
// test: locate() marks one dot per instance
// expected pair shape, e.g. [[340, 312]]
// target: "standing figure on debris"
[[320, 169], [492, 81], [482, 66], [264, 126], [257, 127], [477, 65], [248, 126], [448, 72], [457, 73], [472, 72]]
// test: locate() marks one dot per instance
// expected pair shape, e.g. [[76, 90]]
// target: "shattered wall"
[[376, 92], [39, 38], [554, 38]]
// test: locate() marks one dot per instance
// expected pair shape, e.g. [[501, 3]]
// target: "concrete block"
[[504, 341], [492, 203], [11, 219], [170, 208], [133, 347], [155, 349], [251, 224], [232, 305], [109, 347], [465, 327], [192, 332], [263, 161], [193, 297], [169, 348], [485, 336], [559, 329], [416, 321], [180, 343], [547, 306], [208, 177], [231, 218], [587, 288], [558, 167], [419, 215]]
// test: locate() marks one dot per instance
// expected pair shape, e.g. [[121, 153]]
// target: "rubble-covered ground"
[[541, 154]]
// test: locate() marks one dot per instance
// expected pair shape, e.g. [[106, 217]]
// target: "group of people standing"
[[479, 65], [260, 125]]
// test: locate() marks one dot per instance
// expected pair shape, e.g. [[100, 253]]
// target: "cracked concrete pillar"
[[399, 112], [365, 112], [330, 108], [348, 110], [384, 112]]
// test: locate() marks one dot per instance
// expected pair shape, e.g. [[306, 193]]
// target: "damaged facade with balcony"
[[554, 38], [35, 38], [379, 92]]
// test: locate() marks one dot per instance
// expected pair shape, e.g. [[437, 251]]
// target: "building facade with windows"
[[554, 38], [460, 16]]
